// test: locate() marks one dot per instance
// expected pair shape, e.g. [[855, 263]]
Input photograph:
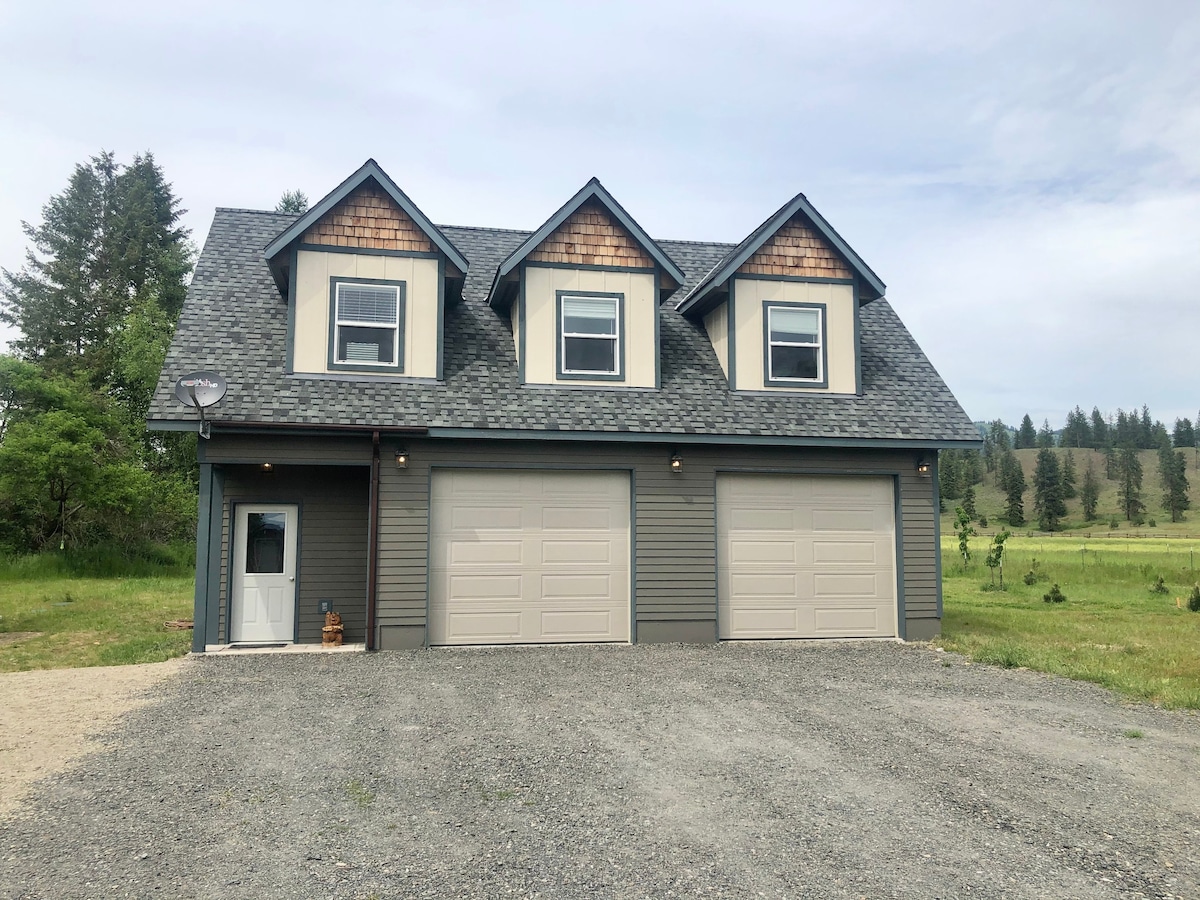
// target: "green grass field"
[[56, 612], [1112, 629]]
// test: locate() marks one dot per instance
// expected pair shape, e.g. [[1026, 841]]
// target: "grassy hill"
[[989, 500]]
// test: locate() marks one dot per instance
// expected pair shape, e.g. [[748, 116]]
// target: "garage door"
[[803, 556], [528, 557]]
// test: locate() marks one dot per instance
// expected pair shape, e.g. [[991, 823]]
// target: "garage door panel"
[[805, 556], [552, 567]]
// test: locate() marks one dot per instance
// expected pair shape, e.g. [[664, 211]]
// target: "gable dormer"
[[781, 308], [366, 276], [582, 295]]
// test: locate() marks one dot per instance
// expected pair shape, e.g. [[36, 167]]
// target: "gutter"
[[284, 427]]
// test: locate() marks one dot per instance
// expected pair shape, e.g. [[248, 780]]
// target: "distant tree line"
[[1055, 478]]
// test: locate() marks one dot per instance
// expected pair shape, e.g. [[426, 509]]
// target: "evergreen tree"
[[1013, 485], [1184, 434], [1099, 429], [1129, 483], [1047, 491], [1145, 430], [1068, 476], [1172, 472], [1026, 437], [1159, 436], [1089, 493], [1125, 432], [968, 503], [949, 483], [1077, 432], [292, 202], [1045, 437], [1110, 462]]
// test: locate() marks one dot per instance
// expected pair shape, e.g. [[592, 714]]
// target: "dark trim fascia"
[[657, 310], [643, 270], [369, 169], [857, 341], [593, 189], [439, 366], [203, 548], [768, 381], [693, 303], [935, 486], [522, 329], [559, 374], [641, 437], [368, 377], [799, 279], [290, 352], [897, 489], [294, 428], [633, 554], [732, 326], [266, 457], [402, 330], [366, 251], [215, 536]]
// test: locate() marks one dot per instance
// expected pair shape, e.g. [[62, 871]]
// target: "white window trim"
[[354, 323], [563, 334], [771, 376]]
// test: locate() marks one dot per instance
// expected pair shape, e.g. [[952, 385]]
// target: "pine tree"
[[1172, 472], [1110, 462], [1184, 434], [1099, 429], [1047, 491], [1077, 432], [1129, 483], [1068, 476], [1026, 436], [949, 483], [1013, 485], [1089, 493], [1045, 437], [968, 503], [292, 202], [1145, 428]]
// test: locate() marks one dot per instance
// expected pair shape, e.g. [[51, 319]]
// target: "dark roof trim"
[[593, 189], [369, 169], [694, 302], [283, 427]]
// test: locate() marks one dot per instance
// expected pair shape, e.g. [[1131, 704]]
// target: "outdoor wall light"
[[267, 467], [401, 459], [924, 467], [676, 463]]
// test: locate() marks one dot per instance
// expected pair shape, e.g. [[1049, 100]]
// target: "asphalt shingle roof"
[[235, 322]]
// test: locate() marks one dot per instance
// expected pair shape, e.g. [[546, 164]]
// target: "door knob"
[[291, 578]]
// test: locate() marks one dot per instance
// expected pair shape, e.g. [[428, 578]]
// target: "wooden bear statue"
[[331, 634]]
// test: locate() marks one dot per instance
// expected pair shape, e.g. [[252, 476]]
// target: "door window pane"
[[265, 537]]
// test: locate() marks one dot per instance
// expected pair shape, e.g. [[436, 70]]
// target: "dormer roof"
[[369, 174], [591, 194], [832, 252]]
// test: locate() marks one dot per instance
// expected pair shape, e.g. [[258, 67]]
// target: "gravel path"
[[800, 770]]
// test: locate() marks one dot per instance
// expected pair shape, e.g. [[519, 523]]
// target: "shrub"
[[1194, 599], [1138, 519], [983, 522], [1034, 575], [1159, 586], [1152, 524], [1055, 595], [1113, 525]]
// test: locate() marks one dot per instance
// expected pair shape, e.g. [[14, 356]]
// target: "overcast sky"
[[1025, 176]]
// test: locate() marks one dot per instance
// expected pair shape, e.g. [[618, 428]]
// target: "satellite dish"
[[200, 390]]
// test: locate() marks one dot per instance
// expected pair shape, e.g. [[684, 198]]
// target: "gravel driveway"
[[768, 770]]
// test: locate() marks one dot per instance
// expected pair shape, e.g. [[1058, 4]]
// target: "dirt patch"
[[48, 717], [14, 637]]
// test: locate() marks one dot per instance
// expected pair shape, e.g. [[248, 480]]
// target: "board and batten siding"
[[674, 519], [332, 538]]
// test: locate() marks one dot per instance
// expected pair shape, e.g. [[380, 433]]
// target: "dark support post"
[[373, 540], [203, 525]]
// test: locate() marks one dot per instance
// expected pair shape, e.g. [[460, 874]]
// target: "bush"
[[1159, 586], [1055, 595], [1152, 524], [1113, 525], [1034, 575], [983, 522], [1138, 520], [1194, 599]]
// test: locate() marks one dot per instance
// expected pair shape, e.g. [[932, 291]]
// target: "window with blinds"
[[589, 335], [367, 324]]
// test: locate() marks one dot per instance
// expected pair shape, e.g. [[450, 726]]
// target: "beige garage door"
[[528, 557], [802, 556]]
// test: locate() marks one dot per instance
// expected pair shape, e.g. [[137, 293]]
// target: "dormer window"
[[367, 329], [795, 343], [589, 329]]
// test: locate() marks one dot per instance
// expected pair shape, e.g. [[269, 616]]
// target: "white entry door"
[[264, 574]]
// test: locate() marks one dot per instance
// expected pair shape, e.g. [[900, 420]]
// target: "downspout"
[[373, 540]]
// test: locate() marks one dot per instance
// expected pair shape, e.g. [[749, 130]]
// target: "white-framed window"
[[366, 326], [794, 337], [589, 335]]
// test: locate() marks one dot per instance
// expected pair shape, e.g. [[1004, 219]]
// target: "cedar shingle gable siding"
[[591, 237], [368, 219], [797, 250]]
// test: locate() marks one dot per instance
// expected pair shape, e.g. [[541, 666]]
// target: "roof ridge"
[[259, 212]]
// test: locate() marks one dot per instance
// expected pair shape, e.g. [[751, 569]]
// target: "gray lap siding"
[[674, 524]]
